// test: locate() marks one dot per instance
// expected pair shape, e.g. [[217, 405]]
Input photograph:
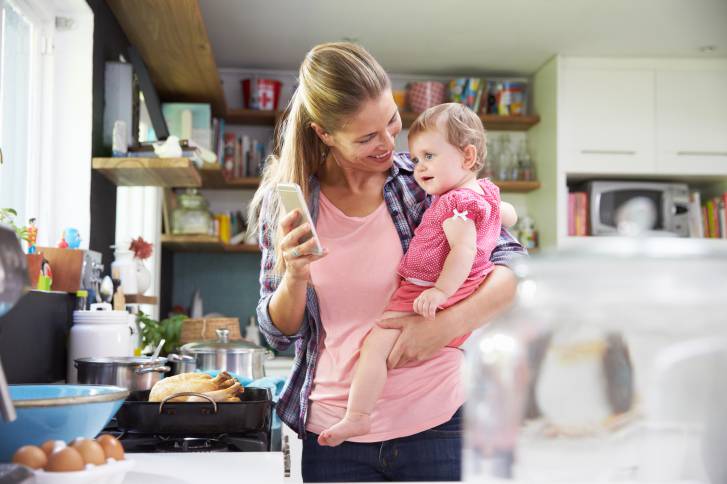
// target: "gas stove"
[[135, 442]]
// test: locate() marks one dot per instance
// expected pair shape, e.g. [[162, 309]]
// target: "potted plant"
[[153, 331]]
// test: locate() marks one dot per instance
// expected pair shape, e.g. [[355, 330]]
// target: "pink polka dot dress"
[[423, 262]]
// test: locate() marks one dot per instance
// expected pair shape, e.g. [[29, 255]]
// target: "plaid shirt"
[[406, 202]]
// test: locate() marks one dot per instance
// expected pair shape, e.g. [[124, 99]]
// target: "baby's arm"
[[462, 238], [508, 215]]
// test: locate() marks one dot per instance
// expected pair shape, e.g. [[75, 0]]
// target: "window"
[[23, 36]]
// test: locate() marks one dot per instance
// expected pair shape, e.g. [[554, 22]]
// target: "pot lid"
[[124, 360], [222, 343]]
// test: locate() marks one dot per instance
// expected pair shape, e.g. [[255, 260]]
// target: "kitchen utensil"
[[100, 332], [180, 363], [239, 357], [610, 367], [131, 372], [158, 350], [424, 95], [253, 413], [58, 412], [13, 284]]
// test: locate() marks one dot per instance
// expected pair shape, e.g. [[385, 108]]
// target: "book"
[[694, 215], [229, 155], [571, 214]]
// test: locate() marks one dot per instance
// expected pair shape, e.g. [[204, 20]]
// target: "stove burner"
[[138, 442], [191, 444]]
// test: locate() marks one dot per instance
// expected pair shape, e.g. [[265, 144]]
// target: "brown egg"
[[65, 460], [90, 450], [50, 446], [111, 447], [31, 456]]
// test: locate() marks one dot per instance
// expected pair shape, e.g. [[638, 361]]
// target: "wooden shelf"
[[172, 39], [492, 122], [251, 117], [140, 299], [212, 178], [517, 186], [154, 172], [203, 243]]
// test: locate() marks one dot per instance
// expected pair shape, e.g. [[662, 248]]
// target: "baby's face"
[[439, 165]]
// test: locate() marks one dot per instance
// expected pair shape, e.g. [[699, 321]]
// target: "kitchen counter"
[[206, 467], [253, 467]]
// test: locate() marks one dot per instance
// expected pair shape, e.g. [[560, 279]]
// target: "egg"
[[31, 456], [65, 460], [90, 450], [50, 446], [111, 447]]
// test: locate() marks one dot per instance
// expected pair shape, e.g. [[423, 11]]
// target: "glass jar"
[[609, 367], [191, 215]]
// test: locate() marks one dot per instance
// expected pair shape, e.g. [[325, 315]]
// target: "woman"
[[337, 144]]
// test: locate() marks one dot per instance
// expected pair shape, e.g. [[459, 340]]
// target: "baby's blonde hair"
[[462, 127]]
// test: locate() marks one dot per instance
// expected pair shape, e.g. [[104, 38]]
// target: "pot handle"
[[158, 369], [188, 394]]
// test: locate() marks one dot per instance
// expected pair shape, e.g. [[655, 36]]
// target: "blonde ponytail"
[[335, 79]]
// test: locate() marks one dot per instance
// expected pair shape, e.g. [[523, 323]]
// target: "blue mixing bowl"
[[58, 412]]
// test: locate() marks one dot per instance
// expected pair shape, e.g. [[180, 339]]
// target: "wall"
[[542, 140], [228, 282]]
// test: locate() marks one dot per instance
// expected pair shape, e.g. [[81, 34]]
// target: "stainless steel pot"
[[134, 373], [241, 357]]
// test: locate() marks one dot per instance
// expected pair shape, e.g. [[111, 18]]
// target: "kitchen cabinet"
[[607, 120], [691, 122]]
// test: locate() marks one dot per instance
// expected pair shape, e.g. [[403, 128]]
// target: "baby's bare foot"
[[352, 425]]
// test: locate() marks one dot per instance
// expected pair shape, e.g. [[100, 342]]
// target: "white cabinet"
[[606, 120], [691, 122]]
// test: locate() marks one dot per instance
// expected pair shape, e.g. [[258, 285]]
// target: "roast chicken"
[[222, 388]]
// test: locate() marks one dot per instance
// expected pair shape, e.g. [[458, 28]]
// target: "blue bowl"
[[58, 412]]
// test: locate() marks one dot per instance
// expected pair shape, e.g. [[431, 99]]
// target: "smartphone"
[[292, 197]]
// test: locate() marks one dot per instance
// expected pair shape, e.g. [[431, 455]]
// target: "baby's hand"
[[428, 302]]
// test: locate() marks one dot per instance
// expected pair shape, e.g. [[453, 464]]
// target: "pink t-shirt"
[[429, 248], [354, 283]]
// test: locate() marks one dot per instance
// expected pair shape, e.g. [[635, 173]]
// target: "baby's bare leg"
[[367, 385]]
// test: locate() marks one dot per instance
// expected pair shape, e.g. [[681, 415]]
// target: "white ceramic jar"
[[125, 266], [100, 332]]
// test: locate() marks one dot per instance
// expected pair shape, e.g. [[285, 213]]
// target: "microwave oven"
[[670, 200]]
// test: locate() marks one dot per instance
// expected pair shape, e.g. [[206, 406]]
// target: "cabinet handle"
[[701, 153], [608, 152]]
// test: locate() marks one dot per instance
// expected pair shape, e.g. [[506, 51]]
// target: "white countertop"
[[204, 467], [167, 468]]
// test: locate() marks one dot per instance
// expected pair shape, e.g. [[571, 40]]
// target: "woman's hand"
[[420, 339], [298, 256]]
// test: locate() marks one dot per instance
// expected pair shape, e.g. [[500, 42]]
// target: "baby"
[[449, 256]]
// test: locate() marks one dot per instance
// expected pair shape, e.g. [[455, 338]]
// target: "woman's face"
[[366, 140]]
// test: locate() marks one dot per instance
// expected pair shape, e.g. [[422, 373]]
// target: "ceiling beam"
[[172, 39]]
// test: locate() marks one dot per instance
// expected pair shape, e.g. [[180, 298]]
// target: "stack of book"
[[578, 213], [239, 155], [707, 217], [229, 227], [467, 91]]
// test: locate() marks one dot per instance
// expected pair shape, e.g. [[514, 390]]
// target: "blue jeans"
[[432, 455]]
